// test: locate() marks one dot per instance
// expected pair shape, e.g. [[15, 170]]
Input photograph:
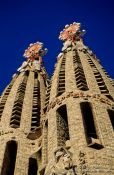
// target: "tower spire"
[[72, 36], [77, 105], [21, 106], [64, 126], [34, 62]]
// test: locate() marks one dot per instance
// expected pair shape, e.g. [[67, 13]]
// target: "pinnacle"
[[35, 51], [34, 54], [71, 32]]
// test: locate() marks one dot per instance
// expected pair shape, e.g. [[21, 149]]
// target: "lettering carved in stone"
[[82, 164]]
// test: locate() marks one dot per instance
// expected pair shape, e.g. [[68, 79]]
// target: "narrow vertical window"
[[62, 125], [35, 120], [32, 166], [61, 85], [111, 116], [88, 120], [79, 73], [5, 97], [18, 104], [47, 94], [99, 79], [9, 160]]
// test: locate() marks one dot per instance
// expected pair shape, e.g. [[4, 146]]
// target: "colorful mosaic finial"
[[71, 32], [35, 51]]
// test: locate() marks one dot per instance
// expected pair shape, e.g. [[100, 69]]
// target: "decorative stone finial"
[[71, 32], [35, 52]]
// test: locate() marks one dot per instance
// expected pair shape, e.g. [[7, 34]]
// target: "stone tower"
[[21, 107], [78, 121], [64, 126]]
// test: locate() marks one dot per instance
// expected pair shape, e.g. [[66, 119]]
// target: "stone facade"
[[63, 126]]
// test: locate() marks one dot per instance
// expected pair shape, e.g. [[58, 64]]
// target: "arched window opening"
[[111, 116], [62, 125], [89, 125], [9, 160], [33, 167], [88, 120]]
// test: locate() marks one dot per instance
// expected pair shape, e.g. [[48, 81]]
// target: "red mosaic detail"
[[70, 32], [35, 51]]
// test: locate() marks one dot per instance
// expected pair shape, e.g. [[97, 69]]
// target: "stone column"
[[76, 128], [70, 82], [45, 143], [55, 80], [52, 133]]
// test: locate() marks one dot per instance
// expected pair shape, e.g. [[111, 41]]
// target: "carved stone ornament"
[[62, 164], [71, 32], [97, 97], [34, 55], [35, 51], [83, 163]]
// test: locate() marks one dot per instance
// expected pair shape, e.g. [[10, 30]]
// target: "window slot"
[[32, 166], [9, 160], [62, 125], [88, 120]]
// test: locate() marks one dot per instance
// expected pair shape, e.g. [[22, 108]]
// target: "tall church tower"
[[64, 126], [21, 107], [78, 120]]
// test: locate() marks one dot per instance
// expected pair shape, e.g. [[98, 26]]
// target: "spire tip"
[[35, 51], [71, 32]]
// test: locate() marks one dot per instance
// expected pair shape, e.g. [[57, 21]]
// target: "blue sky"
[[27, 21]]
